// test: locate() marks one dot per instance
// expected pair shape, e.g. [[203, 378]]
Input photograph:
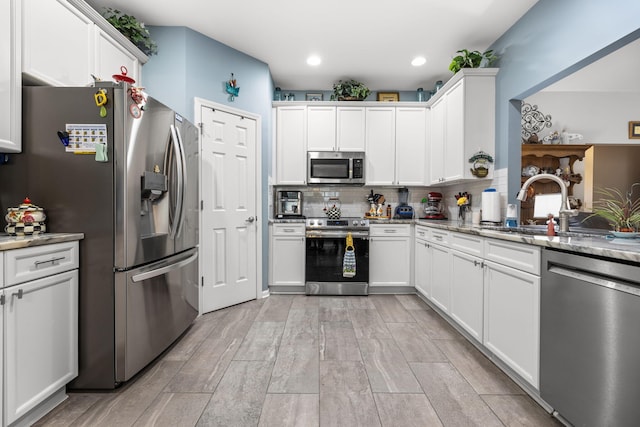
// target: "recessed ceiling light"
[[418, 61], [314, 60]]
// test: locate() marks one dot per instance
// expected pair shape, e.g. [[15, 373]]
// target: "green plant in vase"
[[618, 209], [132, 29], [471, 59], [350, 90]]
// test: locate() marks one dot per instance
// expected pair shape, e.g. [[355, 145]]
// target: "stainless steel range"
[[334, 266]]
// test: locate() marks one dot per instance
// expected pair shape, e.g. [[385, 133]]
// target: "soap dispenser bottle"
[[551, 226]]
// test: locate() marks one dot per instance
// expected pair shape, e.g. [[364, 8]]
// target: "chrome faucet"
[[565, 210]]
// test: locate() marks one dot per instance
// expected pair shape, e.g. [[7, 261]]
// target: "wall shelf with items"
[[546, 158]]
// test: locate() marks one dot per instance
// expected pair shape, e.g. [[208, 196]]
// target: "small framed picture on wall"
[[313, 97], [634, 130]]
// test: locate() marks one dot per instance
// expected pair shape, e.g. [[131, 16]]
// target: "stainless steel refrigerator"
[[138, 211]]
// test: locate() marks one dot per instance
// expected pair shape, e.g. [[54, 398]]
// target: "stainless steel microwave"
[[335, 167]]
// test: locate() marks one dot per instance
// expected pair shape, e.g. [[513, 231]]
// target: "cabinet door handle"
[[52, 261], [18, 294], [390, 231]]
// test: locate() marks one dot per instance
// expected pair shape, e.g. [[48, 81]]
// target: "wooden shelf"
[[547, 158], [554, 150]]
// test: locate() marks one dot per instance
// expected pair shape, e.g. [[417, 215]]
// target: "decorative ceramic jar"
[[25, 219]]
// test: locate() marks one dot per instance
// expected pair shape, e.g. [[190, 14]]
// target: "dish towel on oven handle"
[[349, 260]]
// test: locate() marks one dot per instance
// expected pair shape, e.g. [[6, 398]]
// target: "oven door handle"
[[335, 234]]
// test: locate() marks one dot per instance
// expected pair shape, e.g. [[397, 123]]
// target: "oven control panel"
[[337, 223]]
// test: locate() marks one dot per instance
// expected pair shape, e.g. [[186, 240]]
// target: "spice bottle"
[[389, 211]]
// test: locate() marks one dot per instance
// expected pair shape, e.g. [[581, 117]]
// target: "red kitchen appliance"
[[433, 206]]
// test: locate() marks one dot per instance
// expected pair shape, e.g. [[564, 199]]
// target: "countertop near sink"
[[622, 249], [16, 242]]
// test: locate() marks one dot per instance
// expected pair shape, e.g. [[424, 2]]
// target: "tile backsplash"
[[353, 200]]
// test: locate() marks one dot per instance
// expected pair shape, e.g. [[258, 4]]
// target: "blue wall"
[[190, 65], [552, 40]]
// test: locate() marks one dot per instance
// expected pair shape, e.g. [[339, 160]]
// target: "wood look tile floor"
[[381, 360]]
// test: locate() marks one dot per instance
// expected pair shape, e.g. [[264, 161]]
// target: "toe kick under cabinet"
[[39, 302]]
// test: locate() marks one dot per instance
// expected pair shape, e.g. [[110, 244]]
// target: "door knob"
[[250, 219]]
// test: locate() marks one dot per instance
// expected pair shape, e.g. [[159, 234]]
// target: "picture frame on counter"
[[388, 96], [313, 96], [634, 130]]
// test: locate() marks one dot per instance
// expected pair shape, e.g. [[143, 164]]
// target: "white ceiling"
[[372, 41]]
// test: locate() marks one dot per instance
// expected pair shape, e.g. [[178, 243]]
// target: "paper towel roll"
[[490, 206]]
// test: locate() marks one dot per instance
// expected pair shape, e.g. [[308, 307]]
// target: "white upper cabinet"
[[321, 128], [10, 81], [350, 132], [83, 43], [436, 147], [462, 123], [58, 58], [111, 56], [291, 145], [380, 148], [454, 161], [411, 146]]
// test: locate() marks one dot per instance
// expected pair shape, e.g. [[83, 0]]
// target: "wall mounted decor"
[[533, 121], [313, 96], [232, 88], [388, 96], [634, 130]]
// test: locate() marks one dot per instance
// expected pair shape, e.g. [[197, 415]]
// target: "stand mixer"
[[433, 207]]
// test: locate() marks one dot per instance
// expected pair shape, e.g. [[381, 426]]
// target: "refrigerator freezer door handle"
[[180, 177], [163, 270], [183, 182]]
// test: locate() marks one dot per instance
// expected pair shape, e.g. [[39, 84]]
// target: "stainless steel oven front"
[[332, 267]]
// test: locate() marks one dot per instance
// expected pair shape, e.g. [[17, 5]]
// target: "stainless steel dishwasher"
[[590, 339]]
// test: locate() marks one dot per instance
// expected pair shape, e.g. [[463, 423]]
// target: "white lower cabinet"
[[40, 329], [422, 262], [287, 255], [512, 319], [467, 288], [440, 276], [390, 255], [490, 288], [41, 340]]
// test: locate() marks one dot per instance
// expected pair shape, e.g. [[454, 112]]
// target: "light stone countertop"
[[621, 249], [287, 220], [17, 242]]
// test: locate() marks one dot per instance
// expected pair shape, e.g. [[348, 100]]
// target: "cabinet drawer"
[[468, 243], [516, 255], [438, 236], [288, 229], [32, 263], [421, 232], [380, 230]]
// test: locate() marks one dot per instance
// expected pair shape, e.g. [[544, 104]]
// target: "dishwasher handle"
[[596, 279]]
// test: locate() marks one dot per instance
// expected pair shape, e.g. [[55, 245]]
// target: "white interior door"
[[229, 241]]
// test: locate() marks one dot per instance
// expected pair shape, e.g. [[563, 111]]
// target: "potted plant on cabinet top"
[[350, 90], [471, 59], [618, 209], [132, 29]]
